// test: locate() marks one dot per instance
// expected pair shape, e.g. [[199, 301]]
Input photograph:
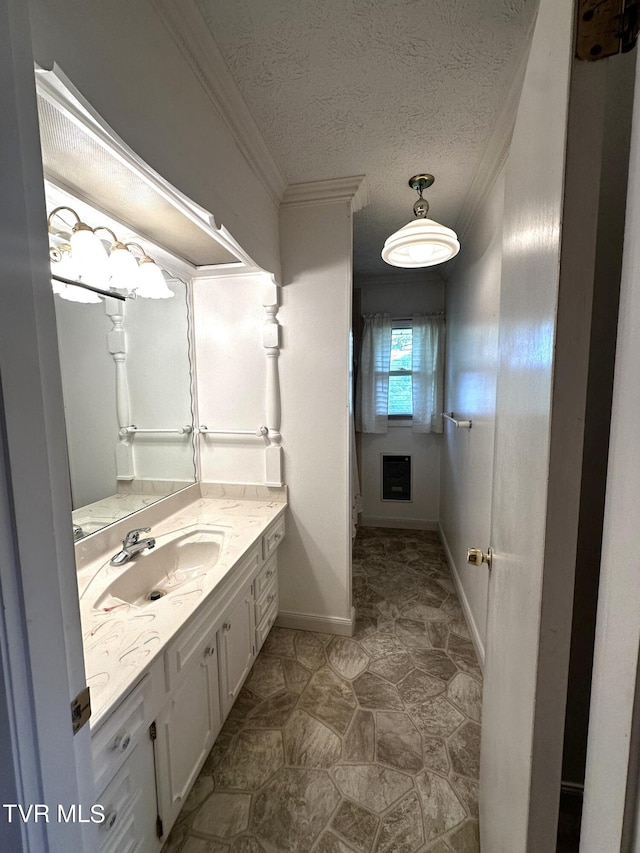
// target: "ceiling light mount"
[[420, 183], [422, 242]]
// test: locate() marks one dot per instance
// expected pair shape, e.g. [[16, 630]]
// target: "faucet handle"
[[133, 535]]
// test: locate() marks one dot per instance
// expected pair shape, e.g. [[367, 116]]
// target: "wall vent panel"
[[396, 477]]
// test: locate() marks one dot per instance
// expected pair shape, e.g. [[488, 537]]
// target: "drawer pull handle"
[[209, 651], [277, 536], [271, 597], [110, 820], [227, 626], [270, 573], [121, 742]]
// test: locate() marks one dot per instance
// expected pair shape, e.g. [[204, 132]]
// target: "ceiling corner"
[[188, 29]]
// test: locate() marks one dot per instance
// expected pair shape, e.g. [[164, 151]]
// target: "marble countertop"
[[121, 642]]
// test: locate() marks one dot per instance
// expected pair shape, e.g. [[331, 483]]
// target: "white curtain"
[[372, 397], [428, 372]]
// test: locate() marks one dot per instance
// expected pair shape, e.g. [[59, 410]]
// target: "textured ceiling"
[[384, 88]]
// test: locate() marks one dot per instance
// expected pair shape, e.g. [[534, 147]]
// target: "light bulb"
[[89, 256], [122, 268], [421, 252], [152, 284]]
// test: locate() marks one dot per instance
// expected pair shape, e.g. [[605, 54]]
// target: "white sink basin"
[[154, 574]]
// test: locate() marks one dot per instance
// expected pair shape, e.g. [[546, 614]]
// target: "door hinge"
[[153, 731], [80, 710], [159, 827], [606, 28]]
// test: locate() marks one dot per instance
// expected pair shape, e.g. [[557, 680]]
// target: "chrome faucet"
[[132, 544]]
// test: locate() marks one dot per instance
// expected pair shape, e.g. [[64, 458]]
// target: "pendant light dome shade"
[[422, 242]]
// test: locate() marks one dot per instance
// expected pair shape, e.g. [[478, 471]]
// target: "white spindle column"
[[271, 343], [117, 342]]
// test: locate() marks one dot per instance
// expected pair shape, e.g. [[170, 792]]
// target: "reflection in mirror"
[[126, 381]]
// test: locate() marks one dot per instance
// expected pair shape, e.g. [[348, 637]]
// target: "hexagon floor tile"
[[361, 745]]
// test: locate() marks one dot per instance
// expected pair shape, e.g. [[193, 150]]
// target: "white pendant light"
[[421, 242]]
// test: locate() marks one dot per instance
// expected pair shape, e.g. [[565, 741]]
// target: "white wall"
[[401, 295], [124, 61], [315, 559], [473, 303], [230, 371]]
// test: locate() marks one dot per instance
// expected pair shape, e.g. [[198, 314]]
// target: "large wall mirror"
[[126, 376], [126, 362]]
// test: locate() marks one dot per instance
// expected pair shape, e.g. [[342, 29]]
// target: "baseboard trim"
[[323, 624], [398, 523], [466, 608]]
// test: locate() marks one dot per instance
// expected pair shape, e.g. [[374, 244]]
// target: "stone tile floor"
[[361, 745]]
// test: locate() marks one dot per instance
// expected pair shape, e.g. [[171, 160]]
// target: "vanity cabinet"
[[188, 724], [149, 751], [129, 801], [125, 775], [266, 600], [237, 645]]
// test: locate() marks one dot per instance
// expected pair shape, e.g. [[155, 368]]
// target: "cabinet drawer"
[[267, 598], [265, 626], [119, 800], [266, 576], [121, 838], [117, 737], [272, 538]]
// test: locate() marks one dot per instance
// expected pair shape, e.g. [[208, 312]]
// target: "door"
[[40, 637], [186, 729], [611, 813], [550, 216], [236, 640]]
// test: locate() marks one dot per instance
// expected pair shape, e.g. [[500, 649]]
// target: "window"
[[400, 372]]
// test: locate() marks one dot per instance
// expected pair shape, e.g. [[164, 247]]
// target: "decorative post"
[[117, 343], [271, 343]]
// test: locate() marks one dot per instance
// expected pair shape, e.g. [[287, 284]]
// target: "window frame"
[[401, 419]]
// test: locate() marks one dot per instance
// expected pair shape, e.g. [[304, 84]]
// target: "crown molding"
[[353, 189], [493, 157], [191, 34]]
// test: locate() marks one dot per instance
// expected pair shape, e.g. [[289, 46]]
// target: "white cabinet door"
[[236, 641], [186, 729]]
